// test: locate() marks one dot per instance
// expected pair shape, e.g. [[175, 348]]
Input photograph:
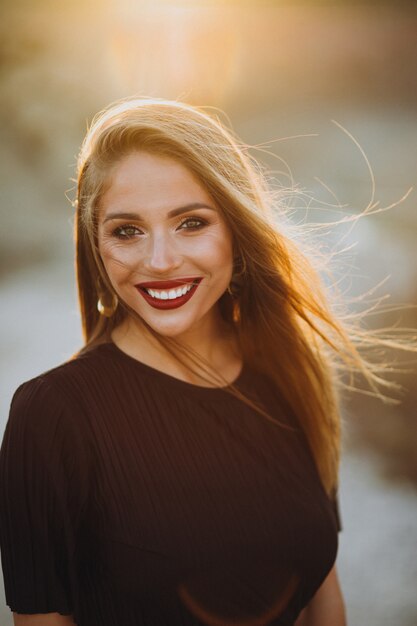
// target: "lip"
[[167, 284]]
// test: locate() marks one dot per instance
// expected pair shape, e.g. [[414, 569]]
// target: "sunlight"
[[175, 51]]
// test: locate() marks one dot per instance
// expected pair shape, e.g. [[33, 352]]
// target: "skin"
[[157, 246], [327, 607], [152, 244], [43, 619]]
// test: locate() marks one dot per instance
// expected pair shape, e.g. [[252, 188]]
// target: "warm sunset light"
[[323, 95], [175, 50]]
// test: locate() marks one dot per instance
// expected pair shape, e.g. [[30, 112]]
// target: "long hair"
[[281, 313]]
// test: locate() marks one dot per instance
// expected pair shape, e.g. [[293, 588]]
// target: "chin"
[[169, 328]]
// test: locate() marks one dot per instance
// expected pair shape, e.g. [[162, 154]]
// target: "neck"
[[214, 342]]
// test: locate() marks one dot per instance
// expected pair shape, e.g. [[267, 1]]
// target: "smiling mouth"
[[170, 294], [178, 293]]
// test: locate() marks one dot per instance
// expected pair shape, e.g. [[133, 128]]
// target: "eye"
[[127, 231], [192, 223]]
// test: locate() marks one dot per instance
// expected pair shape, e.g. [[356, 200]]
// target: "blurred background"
[[278, 73]]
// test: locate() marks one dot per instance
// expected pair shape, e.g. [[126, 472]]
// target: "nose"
[[161, 255]]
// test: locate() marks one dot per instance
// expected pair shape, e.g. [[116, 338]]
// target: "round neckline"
[[168, 378]]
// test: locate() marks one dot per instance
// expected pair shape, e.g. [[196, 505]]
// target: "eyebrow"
[[172, 213]]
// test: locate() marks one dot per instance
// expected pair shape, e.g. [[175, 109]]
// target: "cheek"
[[117, 259], [216, 249], [223, 256]]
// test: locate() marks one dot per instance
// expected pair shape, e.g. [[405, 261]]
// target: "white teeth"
[[170, 294]]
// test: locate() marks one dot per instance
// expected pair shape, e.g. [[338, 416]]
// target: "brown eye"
[[126, 231], [192, 223]]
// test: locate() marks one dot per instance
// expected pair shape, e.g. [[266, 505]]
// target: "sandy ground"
[[378, 569]]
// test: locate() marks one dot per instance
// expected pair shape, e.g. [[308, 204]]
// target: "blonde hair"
[[284, 324]]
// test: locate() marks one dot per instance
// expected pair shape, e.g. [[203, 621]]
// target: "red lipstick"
[[173, 303], [169, 284]]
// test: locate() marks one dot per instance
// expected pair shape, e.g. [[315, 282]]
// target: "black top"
[[129, 497]]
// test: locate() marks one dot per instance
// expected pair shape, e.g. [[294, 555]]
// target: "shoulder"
[[62, 383], [55, 397], [49, 418]]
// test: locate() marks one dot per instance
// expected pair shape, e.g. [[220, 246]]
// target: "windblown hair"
[[285, 324]]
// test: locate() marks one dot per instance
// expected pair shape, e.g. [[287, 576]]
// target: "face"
[[164, 244]]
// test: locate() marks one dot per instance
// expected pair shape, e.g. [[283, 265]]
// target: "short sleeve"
[[43, 494]]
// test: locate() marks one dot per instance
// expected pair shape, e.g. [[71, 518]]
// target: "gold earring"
[[234, 288], [236, 311], [107, 310], [235, 302]]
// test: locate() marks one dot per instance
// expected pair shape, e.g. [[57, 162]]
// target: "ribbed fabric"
[[129, 498]]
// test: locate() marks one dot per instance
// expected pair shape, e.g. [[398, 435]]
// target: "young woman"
[[182, 467]]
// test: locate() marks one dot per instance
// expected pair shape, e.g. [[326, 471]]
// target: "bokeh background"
[[278, 73]]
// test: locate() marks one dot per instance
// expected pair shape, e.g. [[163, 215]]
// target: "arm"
[[43, 489], [43, 619], [327, 607]]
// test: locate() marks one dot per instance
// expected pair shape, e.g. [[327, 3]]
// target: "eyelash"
[[118, 232]]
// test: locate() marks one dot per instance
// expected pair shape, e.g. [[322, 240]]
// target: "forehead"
[[147, 182]]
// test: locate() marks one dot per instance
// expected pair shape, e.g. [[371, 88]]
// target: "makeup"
[[168, 294]]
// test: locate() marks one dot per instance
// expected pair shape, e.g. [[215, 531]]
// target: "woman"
[[182, 467]]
